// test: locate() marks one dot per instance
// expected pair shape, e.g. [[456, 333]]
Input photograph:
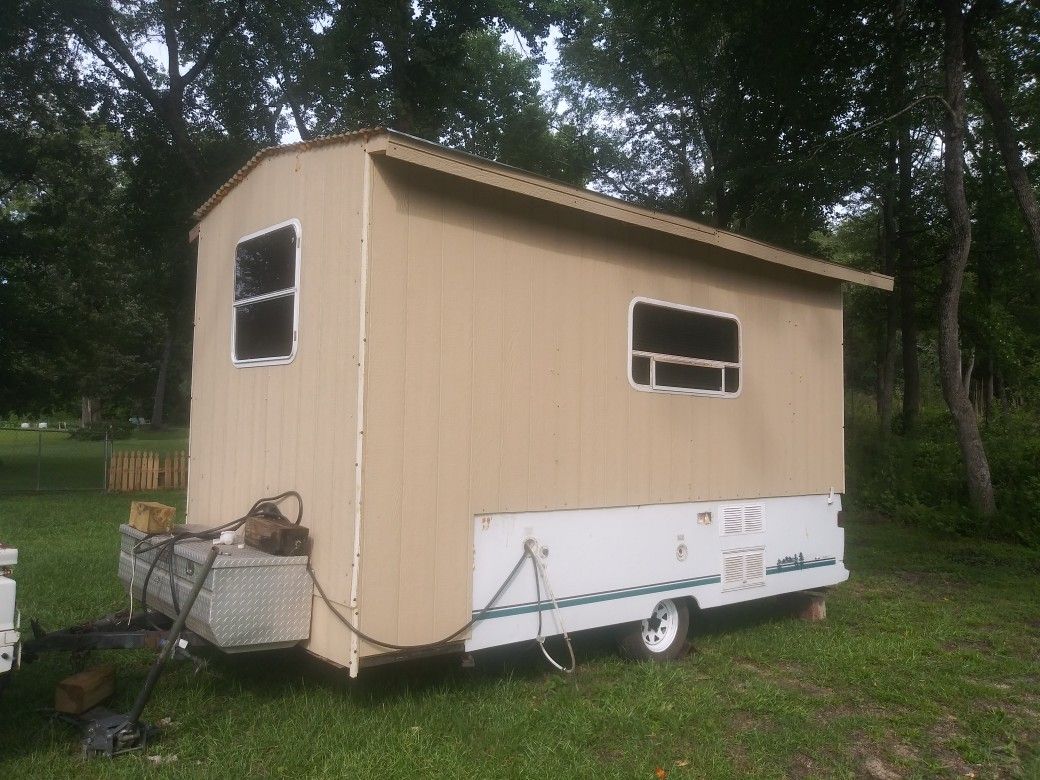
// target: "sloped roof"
[[406, 148]]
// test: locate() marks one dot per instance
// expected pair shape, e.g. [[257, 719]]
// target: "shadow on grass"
[[386, 683]]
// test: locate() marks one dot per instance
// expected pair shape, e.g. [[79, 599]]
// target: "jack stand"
[[110, 734]]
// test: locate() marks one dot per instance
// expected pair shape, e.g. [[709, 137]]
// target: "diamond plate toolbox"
[[250, 600]]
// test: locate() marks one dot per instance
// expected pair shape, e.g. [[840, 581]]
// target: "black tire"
[[661, 637]]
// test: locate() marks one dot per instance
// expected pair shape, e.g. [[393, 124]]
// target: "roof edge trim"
[[392, 144], [416, 151], [275, 151]]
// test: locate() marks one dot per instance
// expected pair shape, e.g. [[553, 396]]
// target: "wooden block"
[[77, 694], [276, 537], [812, 606], [151, 517]]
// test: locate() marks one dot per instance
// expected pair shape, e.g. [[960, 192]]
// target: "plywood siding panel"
[[455, 402], [421, 358], [497, 382], [488, 381], [262, 430], [616, 290], [518, 268], [593, 481]]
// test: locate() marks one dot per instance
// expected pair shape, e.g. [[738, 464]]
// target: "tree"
[[1003, 125], [695, 109], [954, 378], [190, 32]]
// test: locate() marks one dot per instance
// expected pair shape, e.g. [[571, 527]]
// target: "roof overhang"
[[399, 146]]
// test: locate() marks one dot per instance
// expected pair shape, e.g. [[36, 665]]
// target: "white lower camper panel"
[[611, 566]]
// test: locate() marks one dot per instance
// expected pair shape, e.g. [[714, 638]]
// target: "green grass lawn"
[[927, 666], [65, 463]]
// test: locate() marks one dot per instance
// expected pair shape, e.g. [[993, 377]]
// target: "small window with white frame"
[[683, 349], [266, 306]]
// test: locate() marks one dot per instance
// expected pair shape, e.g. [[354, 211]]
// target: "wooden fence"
[[133, 471]]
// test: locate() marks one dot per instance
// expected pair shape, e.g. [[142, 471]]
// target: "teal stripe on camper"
[[611, 595], [624, 593], [800, 566]]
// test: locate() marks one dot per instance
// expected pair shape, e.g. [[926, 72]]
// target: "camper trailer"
[[457, 363]]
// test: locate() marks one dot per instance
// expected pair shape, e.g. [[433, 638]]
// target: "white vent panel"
[[741, 519], [732, 520], [753, 519], [743, 569]]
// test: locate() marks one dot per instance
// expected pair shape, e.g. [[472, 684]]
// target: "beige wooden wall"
[[258, 431], [496, 382]]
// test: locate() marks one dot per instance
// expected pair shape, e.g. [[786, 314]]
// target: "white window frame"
[[294, 291], [653, 387]]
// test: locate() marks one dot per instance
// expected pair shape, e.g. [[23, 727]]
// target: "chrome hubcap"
[[660, 628]]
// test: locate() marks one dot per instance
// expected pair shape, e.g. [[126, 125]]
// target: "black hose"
[[440, 643], [268, 507]]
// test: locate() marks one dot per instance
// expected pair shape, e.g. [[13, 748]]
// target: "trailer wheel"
[[661, 637]]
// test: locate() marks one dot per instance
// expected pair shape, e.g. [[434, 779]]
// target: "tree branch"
[[173, 60], [880, 122], [101, 25], [126, 79], [218, 38]]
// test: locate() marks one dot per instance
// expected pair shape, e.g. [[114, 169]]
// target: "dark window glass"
[[668, 331], [687, 377], [266, 263], [264, 329], [732, 380], [640, 370]]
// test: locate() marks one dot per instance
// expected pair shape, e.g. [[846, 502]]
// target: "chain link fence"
[[49, 460]]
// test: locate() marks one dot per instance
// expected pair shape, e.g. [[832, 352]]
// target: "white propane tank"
[[9, 619]]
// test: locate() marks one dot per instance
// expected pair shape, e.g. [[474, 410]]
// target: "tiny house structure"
[[451, 359]]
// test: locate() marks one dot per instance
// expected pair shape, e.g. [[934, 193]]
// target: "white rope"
[[540, 639]]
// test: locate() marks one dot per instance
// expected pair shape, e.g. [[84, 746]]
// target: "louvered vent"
[[753, 519], [743, 569], [741, 519], [732, 520]]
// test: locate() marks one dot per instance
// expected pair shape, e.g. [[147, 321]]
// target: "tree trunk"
[[900, 167], [990, 386], [398, 44], [89, 411], [159, 399], [1007, 140], [905, 281], [980, 484], [887, 363], [886, 389]]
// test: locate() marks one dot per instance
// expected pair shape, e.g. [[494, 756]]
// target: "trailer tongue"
[[216, 590]]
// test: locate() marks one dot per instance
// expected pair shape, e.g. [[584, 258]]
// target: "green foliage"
[[696, 109], [919, 478]]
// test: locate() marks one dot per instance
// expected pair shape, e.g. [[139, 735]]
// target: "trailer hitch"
[[110, 734]]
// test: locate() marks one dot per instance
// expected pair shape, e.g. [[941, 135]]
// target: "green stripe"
[[624, 593], [592, 598]]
